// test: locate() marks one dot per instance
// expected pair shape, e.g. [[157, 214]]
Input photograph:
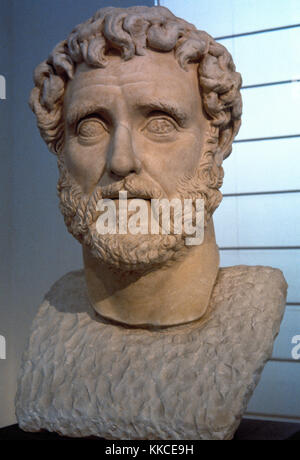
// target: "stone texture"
[[140, 101], [83, 376]]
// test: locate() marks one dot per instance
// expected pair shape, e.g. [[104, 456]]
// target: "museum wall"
[[6, 326], [35, 246], [257, 222]]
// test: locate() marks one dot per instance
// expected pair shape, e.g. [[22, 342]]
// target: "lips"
[[115, 195]]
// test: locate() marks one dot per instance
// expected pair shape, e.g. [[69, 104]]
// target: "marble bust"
[[152, 340]]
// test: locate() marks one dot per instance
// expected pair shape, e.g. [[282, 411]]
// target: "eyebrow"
[[75, 113], [172, 109]]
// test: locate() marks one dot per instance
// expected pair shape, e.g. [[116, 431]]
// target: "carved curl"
[[130, 31]]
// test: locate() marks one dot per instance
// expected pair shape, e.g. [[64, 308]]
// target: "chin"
[[134, 253]]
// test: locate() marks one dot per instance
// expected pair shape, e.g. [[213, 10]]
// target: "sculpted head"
[[139, 100]]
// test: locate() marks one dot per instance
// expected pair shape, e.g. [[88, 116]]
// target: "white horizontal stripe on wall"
[[285, 260], [270, 111], [248, 167], [226, 17], [254, 55], [267, 220]]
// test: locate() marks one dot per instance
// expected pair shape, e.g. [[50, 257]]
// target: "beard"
[[133, 253]]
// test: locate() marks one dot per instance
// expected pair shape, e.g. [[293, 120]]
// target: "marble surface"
[[83, 376]]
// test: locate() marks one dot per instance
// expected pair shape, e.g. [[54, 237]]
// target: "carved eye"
[[160, 126], [91, 127]]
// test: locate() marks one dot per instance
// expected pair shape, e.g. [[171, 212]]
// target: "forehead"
[[155, 75]]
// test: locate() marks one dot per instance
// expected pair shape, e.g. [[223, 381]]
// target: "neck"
[[172, 295]]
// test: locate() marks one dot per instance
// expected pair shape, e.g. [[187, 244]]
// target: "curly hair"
[[130, 31]]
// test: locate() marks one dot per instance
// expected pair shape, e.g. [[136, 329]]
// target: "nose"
[[123, 160]]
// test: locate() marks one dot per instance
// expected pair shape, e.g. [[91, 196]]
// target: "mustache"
[[135, 186]]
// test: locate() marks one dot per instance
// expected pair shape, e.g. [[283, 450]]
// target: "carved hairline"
[[130, 31]]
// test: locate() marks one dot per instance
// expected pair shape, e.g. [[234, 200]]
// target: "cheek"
[[167, 163], [86, 163]]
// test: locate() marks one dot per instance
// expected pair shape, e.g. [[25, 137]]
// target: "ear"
[[226, 137]]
